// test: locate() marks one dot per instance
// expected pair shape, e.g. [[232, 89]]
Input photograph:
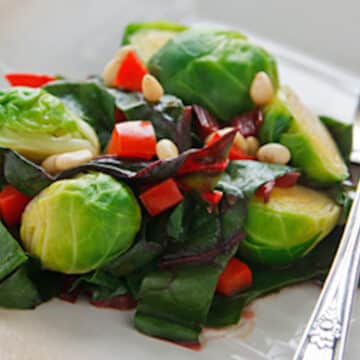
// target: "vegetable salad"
[[185, 181]]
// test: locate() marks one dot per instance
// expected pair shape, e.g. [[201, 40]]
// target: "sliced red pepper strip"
[[131, 72], [27, 79], [237, 276], [134, 140], [235, 153], [12, 205], [212, 197], [285, 181], [161, 197], [207, 158]]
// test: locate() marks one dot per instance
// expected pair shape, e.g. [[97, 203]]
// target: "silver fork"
[[326, 332]]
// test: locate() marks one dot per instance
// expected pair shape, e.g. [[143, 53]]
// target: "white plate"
[[58, 330]]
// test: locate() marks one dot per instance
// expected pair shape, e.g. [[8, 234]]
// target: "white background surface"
[[34, 33]]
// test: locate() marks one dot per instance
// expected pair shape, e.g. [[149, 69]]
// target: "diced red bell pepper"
[[161, 197], [131, 72], [30, 80], [235, 152], [12, 205], [236, 276], [133, 139], [248, 123], [265, 190], [212, 197]]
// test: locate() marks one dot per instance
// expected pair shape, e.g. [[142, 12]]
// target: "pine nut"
[[61, 162], [49, 164], [253, 145], [274, 153], [240, 142], [262, 89], [166, 149], [112, 66], [151, 88]]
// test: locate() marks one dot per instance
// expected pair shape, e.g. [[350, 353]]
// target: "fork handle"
[[325, 334]]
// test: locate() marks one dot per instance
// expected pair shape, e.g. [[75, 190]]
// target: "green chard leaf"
[[11, 253], [28, 287], [226, 311], [174, 301], [89, 100], [145, 249], [243, 177]]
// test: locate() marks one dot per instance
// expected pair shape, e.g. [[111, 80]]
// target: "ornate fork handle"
[[326, 332]]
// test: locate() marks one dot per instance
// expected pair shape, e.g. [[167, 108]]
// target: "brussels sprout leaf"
[[226, 311], [243, 177], [91, 101]]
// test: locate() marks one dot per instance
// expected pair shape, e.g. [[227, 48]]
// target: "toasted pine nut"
[[166, 149], [240, 142], [112, 66], [60, 162], [120, 53], [49, 164], [274, 153], [252, 145], [71, 159], [151, 88], [262, 89]]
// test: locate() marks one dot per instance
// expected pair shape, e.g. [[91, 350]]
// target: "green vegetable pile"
[[87, 231]]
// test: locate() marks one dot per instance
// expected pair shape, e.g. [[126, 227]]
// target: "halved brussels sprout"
[[77, 225], [288, 226], [212, 68], [37, 125], [313, 150], [149, 37]]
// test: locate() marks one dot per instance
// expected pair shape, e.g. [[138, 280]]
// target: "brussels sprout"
[[288, 226], [312, 148], [77, 225], [37, 125], [149, 37], [212, 68]]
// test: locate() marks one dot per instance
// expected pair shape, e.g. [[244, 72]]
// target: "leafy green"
[[226, 311], [23, 174], [11, 254], [101, 285], [89, 100], [141, 253], [212, 68], [28, 287], [342, 134], [243, 177], [174, 301]]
